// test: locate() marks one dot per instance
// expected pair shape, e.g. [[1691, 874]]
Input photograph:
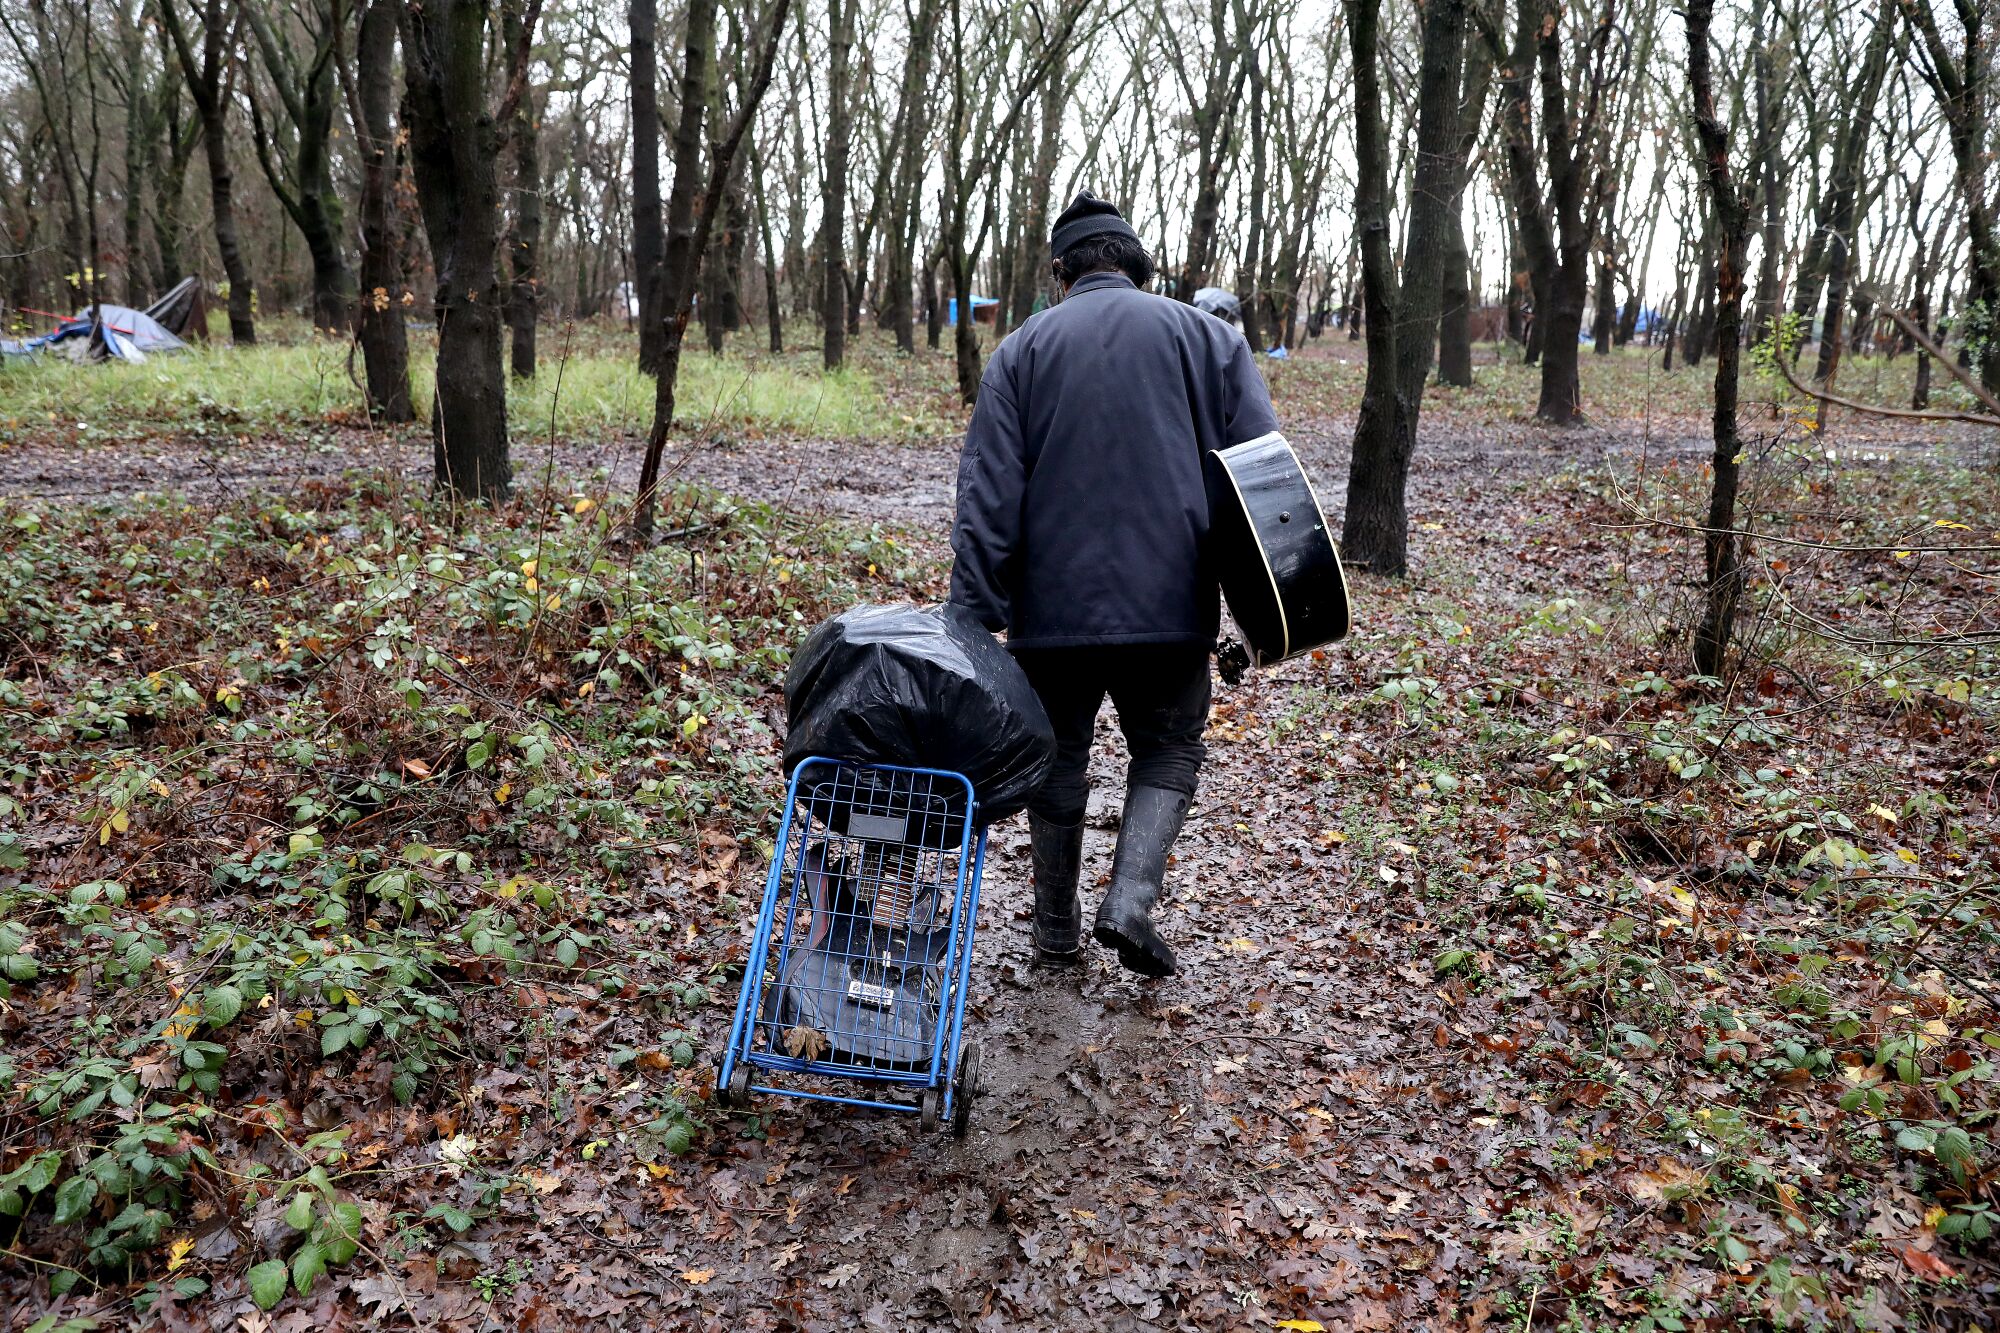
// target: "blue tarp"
[[125, 333], [979, 303]]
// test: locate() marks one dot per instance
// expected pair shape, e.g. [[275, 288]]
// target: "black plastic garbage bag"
[[923, 689]]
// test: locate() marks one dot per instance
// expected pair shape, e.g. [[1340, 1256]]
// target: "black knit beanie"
[[1087, 216]]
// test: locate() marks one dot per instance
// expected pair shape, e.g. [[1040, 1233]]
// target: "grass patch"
[[315, 807], [589, 382]]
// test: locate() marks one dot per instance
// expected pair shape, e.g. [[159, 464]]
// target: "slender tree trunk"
[[648, 238], [1402, 317], [524, 241], [385, 352], [690, 221], [1771, 186], [1031, 268], [833, 220], [207, 81], [1721, 549], [141, 153], [1246, 286], [773, 311]]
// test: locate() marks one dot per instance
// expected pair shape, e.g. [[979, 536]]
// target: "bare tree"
[[454, 128], [1402, 314], [1721, 548], [210, 84]]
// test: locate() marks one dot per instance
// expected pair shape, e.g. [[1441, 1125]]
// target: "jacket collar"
[[1091, 282]]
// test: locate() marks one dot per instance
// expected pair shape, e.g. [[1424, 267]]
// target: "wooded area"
[[1605, 937]]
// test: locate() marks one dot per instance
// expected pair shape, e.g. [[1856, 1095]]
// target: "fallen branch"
[[1783, 363]]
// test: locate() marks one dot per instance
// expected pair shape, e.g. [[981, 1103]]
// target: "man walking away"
[[1081, 520]]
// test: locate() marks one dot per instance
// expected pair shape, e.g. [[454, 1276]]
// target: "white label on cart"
[[862, 992]]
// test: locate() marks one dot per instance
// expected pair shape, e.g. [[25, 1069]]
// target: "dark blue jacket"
[[1081, 508]]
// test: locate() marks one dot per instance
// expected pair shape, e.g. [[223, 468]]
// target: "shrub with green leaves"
[[303, 800]]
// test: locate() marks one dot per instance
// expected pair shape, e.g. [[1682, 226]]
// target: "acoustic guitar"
[[1273, 552]]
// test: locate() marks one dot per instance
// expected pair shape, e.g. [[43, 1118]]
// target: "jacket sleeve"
[[992, 477], [1245, 399]]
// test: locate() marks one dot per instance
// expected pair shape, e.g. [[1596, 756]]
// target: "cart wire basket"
[[854, 991]]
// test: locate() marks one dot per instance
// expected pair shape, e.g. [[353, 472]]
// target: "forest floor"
[[372, 876]]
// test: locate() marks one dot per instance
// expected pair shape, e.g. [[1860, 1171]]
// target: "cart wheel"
[[968, 1088], [737, 1094], [927, 1110]]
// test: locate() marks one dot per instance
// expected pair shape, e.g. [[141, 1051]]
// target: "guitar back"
[[1272, 550]]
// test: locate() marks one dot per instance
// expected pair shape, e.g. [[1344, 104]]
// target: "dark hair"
[[1106, 252]]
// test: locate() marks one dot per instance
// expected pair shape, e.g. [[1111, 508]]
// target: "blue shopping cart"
[[854, 991]]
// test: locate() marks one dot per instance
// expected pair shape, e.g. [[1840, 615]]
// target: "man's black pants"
[[1161, 692]]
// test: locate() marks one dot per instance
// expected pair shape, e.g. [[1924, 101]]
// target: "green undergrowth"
[[319, 807], [588, 386]]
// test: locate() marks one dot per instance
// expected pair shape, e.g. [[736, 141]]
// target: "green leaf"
[[221, 1005], [300, 1215], [73, 1199], [334, 1040], [455, 1218], [1915, 1138], [307, 1264], [267, 1283], [346, 1220], [566, 952], [1450, 959], [191, 1287]]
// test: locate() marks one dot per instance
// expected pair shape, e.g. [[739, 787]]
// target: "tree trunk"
[[902, 232], [773, 311], [206, 85], [1402, 317], [454, 153], [1721, 548], [1031, 269], [690, 221], [524, 242], [385, 352], [299, 167], [1214, 118], [833, 220], [933, 307], [648, 238], [1765, 310], [1246, 285]]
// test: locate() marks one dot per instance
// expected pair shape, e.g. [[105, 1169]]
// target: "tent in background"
[[114, 331], [184, 305], [1218, 302]]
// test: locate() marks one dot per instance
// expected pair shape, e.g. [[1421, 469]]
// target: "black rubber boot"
[[1153, 818], [1057, 853]]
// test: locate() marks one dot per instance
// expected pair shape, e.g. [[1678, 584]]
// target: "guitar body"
[[1272, 550], [869, 974]]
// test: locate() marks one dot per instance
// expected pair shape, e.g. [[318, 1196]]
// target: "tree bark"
[[686, 243], [1721, 549], [648, 238], [1402, 317], [454, 138], [207, 81], [524, 240], [385, 351], [833, 220]]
